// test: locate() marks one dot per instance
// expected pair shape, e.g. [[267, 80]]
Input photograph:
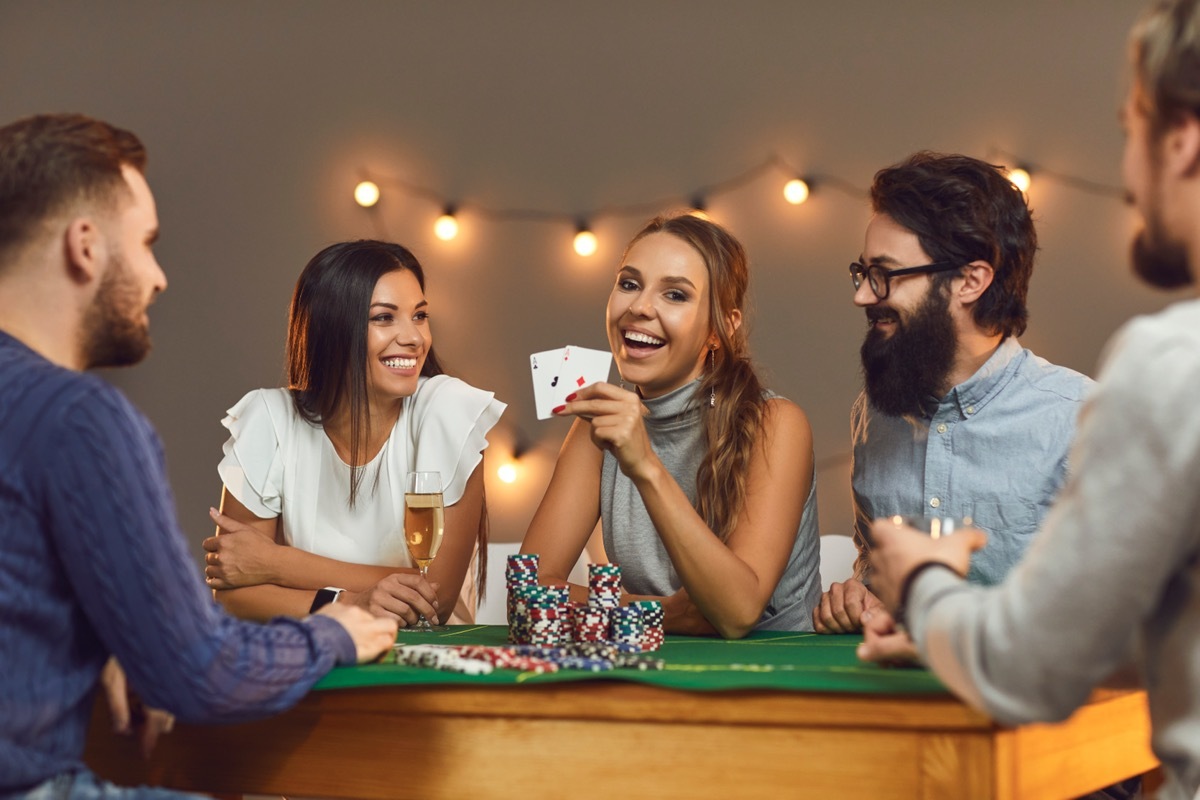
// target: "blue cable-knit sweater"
[[92, 562]]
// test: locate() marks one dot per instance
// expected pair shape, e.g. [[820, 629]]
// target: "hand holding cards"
[[558, 373]]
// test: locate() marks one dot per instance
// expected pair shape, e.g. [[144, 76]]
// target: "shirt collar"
[[973, 394]]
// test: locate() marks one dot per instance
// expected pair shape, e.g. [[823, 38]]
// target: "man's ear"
[[1181, 146], [83, 244], [977, 277]]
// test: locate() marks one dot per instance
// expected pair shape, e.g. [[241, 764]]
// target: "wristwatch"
[[329, 594]]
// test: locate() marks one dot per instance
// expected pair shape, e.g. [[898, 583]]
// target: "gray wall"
[[260, 117]]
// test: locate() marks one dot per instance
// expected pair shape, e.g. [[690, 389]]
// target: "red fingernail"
[[572, 396], [557, 409]]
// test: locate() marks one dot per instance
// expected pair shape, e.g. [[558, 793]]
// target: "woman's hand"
[[241, 556], [615, 417], [401, 596]]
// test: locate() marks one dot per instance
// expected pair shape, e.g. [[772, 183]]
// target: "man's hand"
[[401, 596], [898, 549], [884, 642], [129, 715], [372, 635], [842, 607], [238, 556]]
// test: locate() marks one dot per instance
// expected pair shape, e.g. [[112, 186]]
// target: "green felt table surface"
[[764, 660]]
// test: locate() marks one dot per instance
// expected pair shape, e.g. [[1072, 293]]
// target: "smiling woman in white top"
[[314, 474]]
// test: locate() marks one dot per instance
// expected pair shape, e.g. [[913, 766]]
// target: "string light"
[[585, 241], [796, 191], [509, 471], [366, 194], [1020, 178], [446, 227]]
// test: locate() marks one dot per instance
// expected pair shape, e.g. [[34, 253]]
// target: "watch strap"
[[324, 597]]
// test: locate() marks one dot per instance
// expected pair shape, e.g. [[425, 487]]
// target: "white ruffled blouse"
[[277, 464]]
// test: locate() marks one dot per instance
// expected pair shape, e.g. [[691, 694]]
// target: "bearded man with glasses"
[[956, 418]]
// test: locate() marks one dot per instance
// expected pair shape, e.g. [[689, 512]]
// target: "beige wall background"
[[261, 116]]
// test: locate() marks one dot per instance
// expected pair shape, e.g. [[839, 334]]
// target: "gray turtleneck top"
[[630, 539]]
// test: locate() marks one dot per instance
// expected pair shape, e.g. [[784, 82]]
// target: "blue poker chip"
[[584, 664]]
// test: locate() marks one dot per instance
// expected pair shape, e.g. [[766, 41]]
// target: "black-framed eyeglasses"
[[879, 277]]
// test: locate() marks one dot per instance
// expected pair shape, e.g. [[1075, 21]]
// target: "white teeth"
[[644, 338], [400, 363]]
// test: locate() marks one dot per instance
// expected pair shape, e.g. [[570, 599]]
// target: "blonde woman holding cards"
[[703, 480], [313, 501]]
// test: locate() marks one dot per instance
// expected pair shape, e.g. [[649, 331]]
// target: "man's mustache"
[[881, 314]]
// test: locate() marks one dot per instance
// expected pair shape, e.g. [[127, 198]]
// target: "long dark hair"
[[327, 344], [732, 424]]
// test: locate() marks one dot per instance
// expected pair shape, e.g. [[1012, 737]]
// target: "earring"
[[712, 389]]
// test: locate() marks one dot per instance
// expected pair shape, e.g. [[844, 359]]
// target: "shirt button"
[[970, 409], [935, 502], [941, 428]]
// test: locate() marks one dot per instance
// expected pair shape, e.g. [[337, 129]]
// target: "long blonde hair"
[[732, 424]]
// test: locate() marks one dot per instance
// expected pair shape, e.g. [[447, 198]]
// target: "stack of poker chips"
[[560, 593], [626, 626], [653, 619], [589, 623], [604, 590], [546, 617], [520, 574], [543, 616]]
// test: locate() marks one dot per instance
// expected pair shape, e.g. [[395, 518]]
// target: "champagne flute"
[[424, 524]]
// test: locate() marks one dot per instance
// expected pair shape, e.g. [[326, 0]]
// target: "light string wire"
[[774, 163]]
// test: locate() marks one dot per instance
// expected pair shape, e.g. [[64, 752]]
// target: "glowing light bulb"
[[795, 191], [585, 242], [446, 227], [507, 473], [1020, 178], [366, 194]]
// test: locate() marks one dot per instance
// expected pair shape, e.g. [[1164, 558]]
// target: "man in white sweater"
[[1113, 578]]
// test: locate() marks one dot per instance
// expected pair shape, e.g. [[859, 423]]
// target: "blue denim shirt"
[[993, 449]]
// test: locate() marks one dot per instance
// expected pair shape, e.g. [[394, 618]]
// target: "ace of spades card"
[[558, 373]]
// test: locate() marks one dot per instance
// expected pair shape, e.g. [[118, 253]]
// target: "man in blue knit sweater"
[[92, 563]]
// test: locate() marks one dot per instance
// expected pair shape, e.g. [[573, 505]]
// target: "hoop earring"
[[712, 389]]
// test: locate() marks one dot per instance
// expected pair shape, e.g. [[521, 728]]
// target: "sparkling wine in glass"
[[424, 524]]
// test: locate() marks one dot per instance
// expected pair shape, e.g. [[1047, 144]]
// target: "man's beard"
[[114, 333], [1156, 259], [903, 371]]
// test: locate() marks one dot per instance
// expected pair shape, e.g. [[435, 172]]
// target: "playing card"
[[580, 367], [544, 366]]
